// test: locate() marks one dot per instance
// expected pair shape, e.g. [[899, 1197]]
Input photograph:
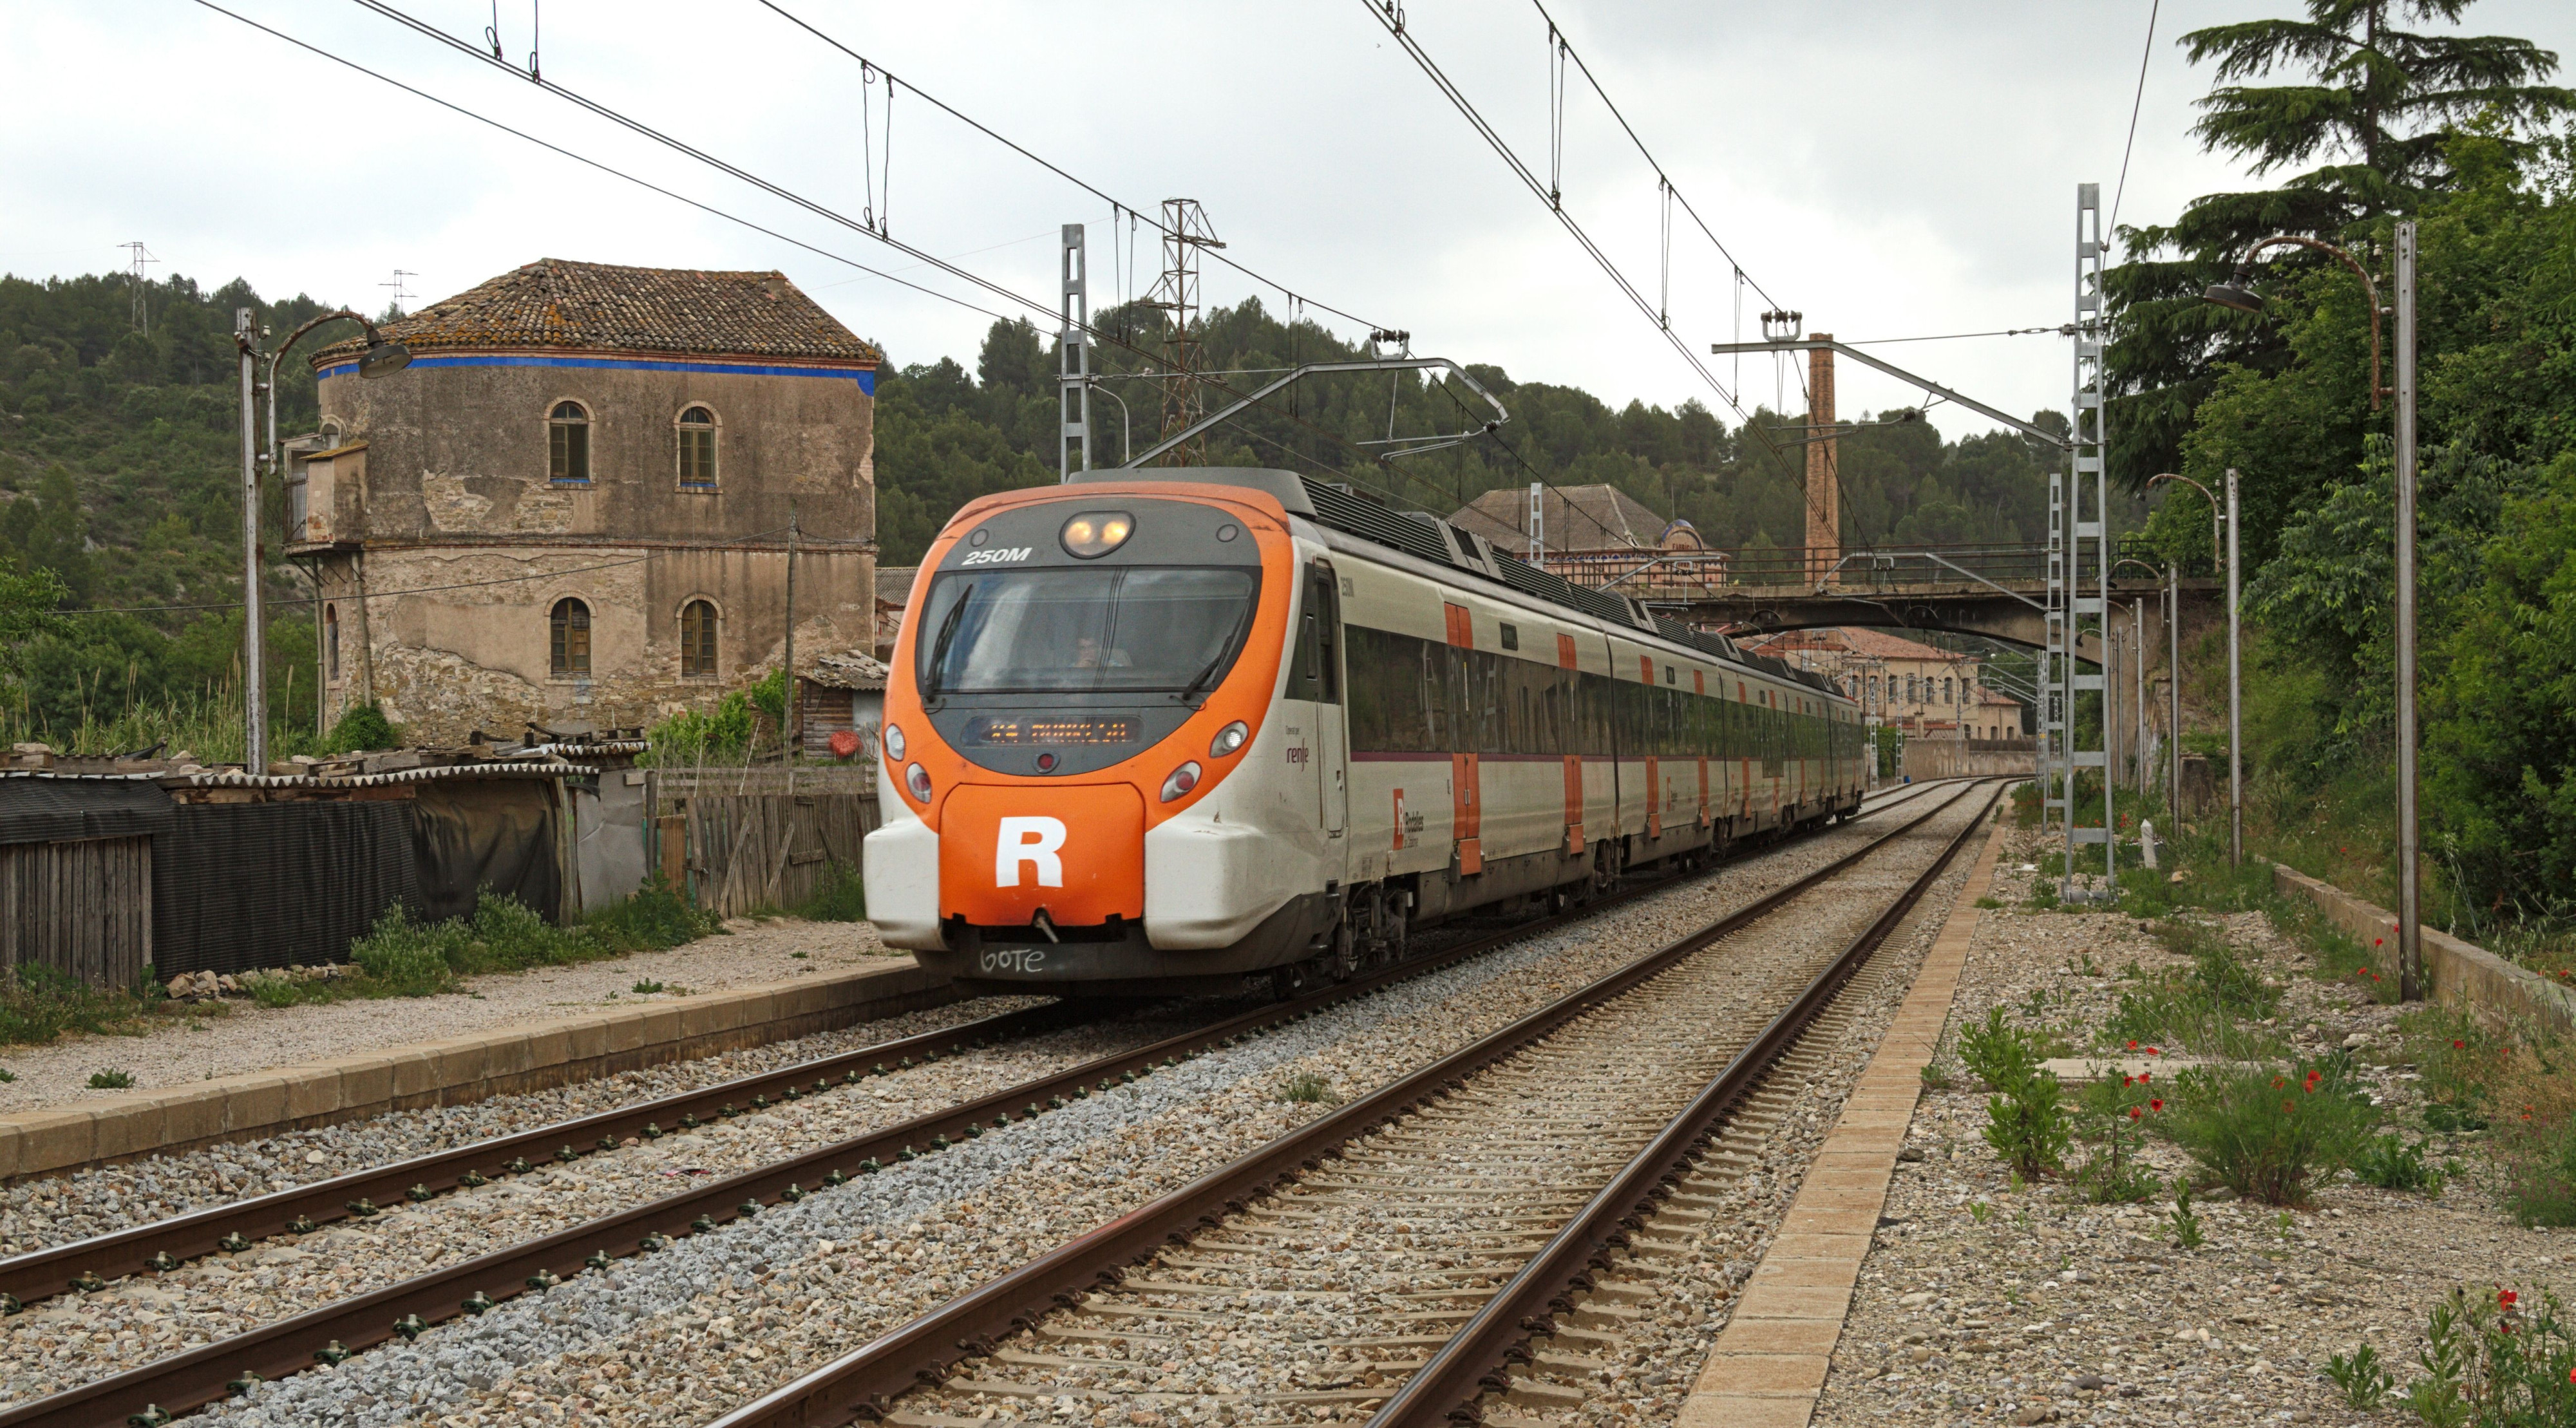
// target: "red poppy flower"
[[2459, 1046], [2157, 1104], [2134, 1113], [2152, 1051], [2133, 1046], [2506, 1298]]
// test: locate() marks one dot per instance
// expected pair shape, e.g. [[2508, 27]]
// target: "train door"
[[1315, 683], [1466, 775]]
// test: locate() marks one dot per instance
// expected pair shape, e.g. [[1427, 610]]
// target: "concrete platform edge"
[[495, 1062], [1747, 1382]]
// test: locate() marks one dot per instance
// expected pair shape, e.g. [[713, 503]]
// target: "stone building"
[[572, 507], [1902, 683], [1600, 536]]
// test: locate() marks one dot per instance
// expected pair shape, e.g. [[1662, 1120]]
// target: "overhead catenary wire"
[[1060, 172], [2136, 103], [924, 258], [1388, 15]]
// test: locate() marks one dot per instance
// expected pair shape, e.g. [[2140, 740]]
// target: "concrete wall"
[[455, 493], [1962, 758], [2463, 974]]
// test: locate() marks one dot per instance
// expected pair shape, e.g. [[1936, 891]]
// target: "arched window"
[[568, 443], [697, 640], [331, 642], [568, 631], [698, 449]]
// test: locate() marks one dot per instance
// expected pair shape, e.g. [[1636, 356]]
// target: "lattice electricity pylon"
[[1185, 232], [2087, 559], [1073, 355]]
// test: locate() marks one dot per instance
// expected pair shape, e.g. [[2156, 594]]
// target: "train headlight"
[[1096, 533], [916, 780], [1183, 779], [894, 742], [1229, 739]]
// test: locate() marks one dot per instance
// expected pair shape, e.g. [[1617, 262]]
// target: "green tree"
[[2377, 104]]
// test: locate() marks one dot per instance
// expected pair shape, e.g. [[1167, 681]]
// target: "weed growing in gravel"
[[2186, 1225], [1306, 1086], [654, 916], [1980, 1211], [2026, 1120], [404, 957], [646, 989], [38, 1003], [2113, 1121], [1990, 903], [2458, 1061], [2489, 1362], [839, 897], [2364, 1380], [2533, 1100], [2267, 1135], [7, 1076], [111, 1079], [2388, 1162]]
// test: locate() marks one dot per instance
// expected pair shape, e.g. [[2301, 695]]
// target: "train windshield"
[[1121, 629]]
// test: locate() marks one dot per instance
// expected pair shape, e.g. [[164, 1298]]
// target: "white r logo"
[[1029, 840]]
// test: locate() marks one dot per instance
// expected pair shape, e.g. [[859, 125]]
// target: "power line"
[[989, 132], [2062, 330], [924, 258], [1388, 14], [2136, 102]]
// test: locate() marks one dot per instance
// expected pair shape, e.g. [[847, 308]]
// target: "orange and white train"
[[1175, 734]]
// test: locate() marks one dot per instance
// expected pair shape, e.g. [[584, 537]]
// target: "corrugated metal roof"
[[235, 778]]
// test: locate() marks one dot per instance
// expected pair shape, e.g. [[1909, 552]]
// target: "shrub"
[[39, 1003], [111, 1079], [2491, 1362], [400, 958], [841, 896], [360, 730], [2391, 1164], [2026, 1119], [657, 915], [2267, 1134]]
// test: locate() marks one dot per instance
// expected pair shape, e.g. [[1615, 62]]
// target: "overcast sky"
[[1890, 169]]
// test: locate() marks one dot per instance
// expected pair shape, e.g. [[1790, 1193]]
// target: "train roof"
[[1427, 537]]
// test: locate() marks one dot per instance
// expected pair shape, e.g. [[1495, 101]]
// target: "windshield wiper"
[[1224, 652], [939, 646]]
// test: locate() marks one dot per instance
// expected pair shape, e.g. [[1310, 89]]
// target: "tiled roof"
[[1876, 643], [554, 304], [1578, 518]]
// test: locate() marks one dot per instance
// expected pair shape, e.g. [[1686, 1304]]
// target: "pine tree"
[[2378, 106]]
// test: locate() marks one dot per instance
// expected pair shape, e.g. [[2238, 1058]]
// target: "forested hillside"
[[119, 469]]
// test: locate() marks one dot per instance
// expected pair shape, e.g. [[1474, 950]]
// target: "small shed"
[[76, 873], [841, 702]]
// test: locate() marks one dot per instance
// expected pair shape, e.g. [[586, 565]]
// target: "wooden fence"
[[749, 851], [83, 908]]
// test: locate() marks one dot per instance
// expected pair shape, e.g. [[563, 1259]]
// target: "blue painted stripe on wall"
[[866, 377]]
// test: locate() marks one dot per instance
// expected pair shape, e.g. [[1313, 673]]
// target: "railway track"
[[328, 1333], [1401, 1252]]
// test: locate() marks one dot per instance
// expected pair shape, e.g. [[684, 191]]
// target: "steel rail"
[[88, 1264], [863, 1383], [163, 1244], [334, 1331], [1474, 1360]]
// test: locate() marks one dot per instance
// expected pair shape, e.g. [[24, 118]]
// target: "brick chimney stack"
[[1824, 514]]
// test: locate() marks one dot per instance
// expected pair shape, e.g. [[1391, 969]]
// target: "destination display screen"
[[1049, 732]]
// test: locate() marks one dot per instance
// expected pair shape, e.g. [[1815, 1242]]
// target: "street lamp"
[[380, 358], [2236, 293]]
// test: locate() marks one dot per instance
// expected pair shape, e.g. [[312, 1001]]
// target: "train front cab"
[[1113, 751]]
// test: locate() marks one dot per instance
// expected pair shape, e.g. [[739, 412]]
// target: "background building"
[[1599, 536], [573, 506], [1929, 692]]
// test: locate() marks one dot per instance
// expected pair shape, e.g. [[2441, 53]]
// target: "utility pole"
[[1824, 519], [2235, 696], [1073, 354], [2173, 694], [2410, 892], [254, 690], [1185, 232], [789, 704], [1538, 528]]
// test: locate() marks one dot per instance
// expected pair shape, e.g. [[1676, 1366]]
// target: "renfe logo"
[[1029, 840]]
